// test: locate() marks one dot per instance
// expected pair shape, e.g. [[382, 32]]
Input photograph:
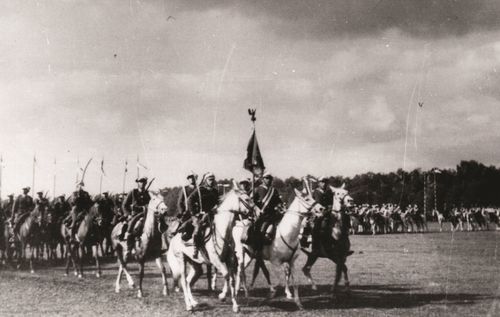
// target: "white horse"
[[150, 246], [283, 249], [218, 250]]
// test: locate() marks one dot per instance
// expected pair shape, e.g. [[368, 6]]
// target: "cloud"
[[323, 19]]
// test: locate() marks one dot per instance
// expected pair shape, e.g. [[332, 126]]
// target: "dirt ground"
[[431, 274]]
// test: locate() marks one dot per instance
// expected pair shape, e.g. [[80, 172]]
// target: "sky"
[[336, 85]]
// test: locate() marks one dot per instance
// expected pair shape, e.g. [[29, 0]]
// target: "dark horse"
[[4, 240], [52, 236], [337, 247], [89, 236], [29, 234], [151, 244]]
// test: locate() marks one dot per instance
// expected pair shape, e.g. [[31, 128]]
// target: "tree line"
[[469, 184]]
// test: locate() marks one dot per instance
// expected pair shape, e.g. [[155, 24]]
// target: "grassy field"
[[432, 274]]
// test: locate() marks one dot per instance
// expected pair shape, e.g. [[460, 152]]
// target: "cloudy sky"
[[336, 85]]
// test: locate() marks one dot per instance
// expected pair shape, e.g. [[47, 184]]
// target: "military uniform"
[[268, 200], [208, 196], [135, 206], [182, 205], [107, 208], [61, 209], [22, 206], [7, 208], [80, 203]]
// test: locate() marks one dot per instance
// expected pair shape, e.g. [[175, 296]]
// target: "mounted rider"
[[134, 208], [182, 201], [7, 207], [61, 208], [21, 208], [200, 204], [269, 203], [107, 206], [318, 223], [41, 200], [80, 203]]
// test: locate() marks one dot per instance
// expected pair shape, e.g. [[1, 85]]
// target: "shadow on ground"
[[363, 296]]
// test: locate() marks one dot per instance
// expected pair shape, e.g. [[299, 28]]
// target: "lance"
[[102, 174], [34, 167], [85, 170], [54, 180], [150, 182], [124, 176], [137, 166], [1, 170]]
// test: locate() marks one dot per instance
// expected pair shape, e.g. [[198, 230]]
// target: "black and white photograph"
[[250, 158]]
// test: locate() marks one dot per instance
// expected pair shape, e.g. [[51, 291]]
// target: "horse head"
[[341, 198], [304, 204], [236, 201]]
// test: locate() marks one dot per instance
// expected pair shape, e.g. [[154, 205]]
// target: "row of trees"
[[469, 184]]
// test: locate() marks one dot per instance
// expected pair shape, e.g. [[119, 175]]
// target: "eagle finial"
[[251, 112]]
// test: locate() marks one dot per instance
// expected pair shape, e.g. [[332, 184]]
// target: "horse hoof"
[[164, 292], [65, 274], [80, 276], [139, 294], [314, 288], [32, 272], [132, 286], [176, 289], [117, 290], [272, 293], [189, 308], [222, 297], [289, 296], [76, 273], [236, 309], [299, 306], [98, 275]]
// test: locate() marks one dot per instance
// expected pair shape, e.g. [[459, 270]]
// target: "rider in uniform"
[[186, 191], [268, 200], [107, 207], [7, 208], [41, 201], [80, 203], [134, 207], [61, 208], [200, 203], [324, 197], [21, 208]]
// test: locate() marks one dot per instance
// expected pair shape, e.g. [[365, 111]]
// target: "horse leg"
[[346, 277], [159, 263], [295, 288], [195, 269], [118, 278], [141, 277], [311, 259], [210, 280], [286, 270], [80, 262], [32, 258], [338, 274], [231, 281], [175, 265], [95, 250]]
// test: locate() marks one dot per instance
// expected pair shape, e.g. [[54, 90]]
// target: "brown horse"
[[4, 240], [152, 244], [29, 234], [337, 247], [89, 236]]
